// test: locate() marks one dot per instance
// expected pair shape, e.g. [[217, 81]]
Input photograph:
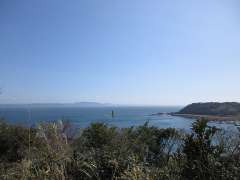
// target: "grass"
[[50, 151]]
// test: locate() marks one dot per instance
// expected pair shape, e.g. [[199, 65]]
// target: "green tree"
[[199, 151]]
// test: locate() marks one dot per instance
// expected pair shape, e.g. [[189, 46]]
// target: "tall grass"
[[50, 151]]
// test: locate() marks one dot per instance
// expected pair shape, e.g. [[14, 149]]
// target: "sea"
[[120, 116]]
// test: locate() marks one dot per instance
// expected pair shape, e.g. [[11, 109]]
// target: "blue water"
[[82, 117]]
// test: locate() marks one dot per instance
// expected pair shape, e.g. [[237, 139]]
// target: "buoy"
[[112, 114]]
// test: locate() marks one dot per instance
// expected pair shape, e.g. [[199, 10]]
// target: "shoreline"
[[207, 117]]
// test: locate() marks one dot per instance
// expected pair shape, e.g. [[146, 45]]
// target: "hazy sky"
[[155, 52]]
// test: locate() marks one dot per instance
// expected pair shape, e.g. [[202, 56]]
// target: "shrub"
[[103, 152]]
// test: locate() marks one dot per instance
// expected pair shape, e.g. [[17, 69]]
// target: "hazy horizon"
[[138, 52], [91, 103], [100, 103]]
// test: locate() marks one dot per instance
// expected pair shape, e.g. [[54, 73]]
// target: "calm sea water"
[[82, 117]]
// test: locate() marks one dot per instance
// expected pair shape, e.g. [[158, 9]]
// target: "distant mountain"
[[77, 104], [212, 108], [95, 104]]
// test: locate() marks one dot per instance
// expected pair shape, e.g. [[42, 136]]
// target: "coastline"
[[207, 117]]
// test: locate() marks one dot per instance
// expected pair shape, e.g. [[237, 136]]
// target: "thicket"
[[53, 151]]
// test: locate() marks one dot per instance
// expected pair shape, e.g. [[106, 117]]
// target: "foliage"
[[212, 108], [49, 151]]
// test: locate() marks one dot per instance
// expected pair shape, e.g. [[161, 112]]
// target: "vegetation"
[[217, 109], [52, 151]]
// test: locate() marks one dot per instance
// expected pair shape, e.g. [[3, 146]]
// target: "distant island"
[[47, 105], [227, 111]]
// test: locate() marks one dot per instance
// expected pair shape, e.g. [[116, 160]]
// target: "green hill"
[[212, 108]]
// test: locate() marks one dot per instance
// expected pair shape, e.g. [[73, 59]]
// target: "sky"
[[139, 52]]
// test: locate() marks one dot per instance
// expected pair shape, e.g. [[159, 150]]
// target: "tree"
[[199, 150]]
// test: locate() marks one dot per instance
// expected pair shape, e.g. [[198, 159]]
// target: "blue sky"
[[155, 52]]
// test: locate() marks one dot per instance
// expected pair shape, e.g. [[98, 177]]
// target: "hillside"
[[212, 108]]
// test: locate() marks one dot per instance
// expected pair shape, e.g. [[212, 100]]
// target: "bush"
[[204, 158], [14, 142], [103, 152]]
